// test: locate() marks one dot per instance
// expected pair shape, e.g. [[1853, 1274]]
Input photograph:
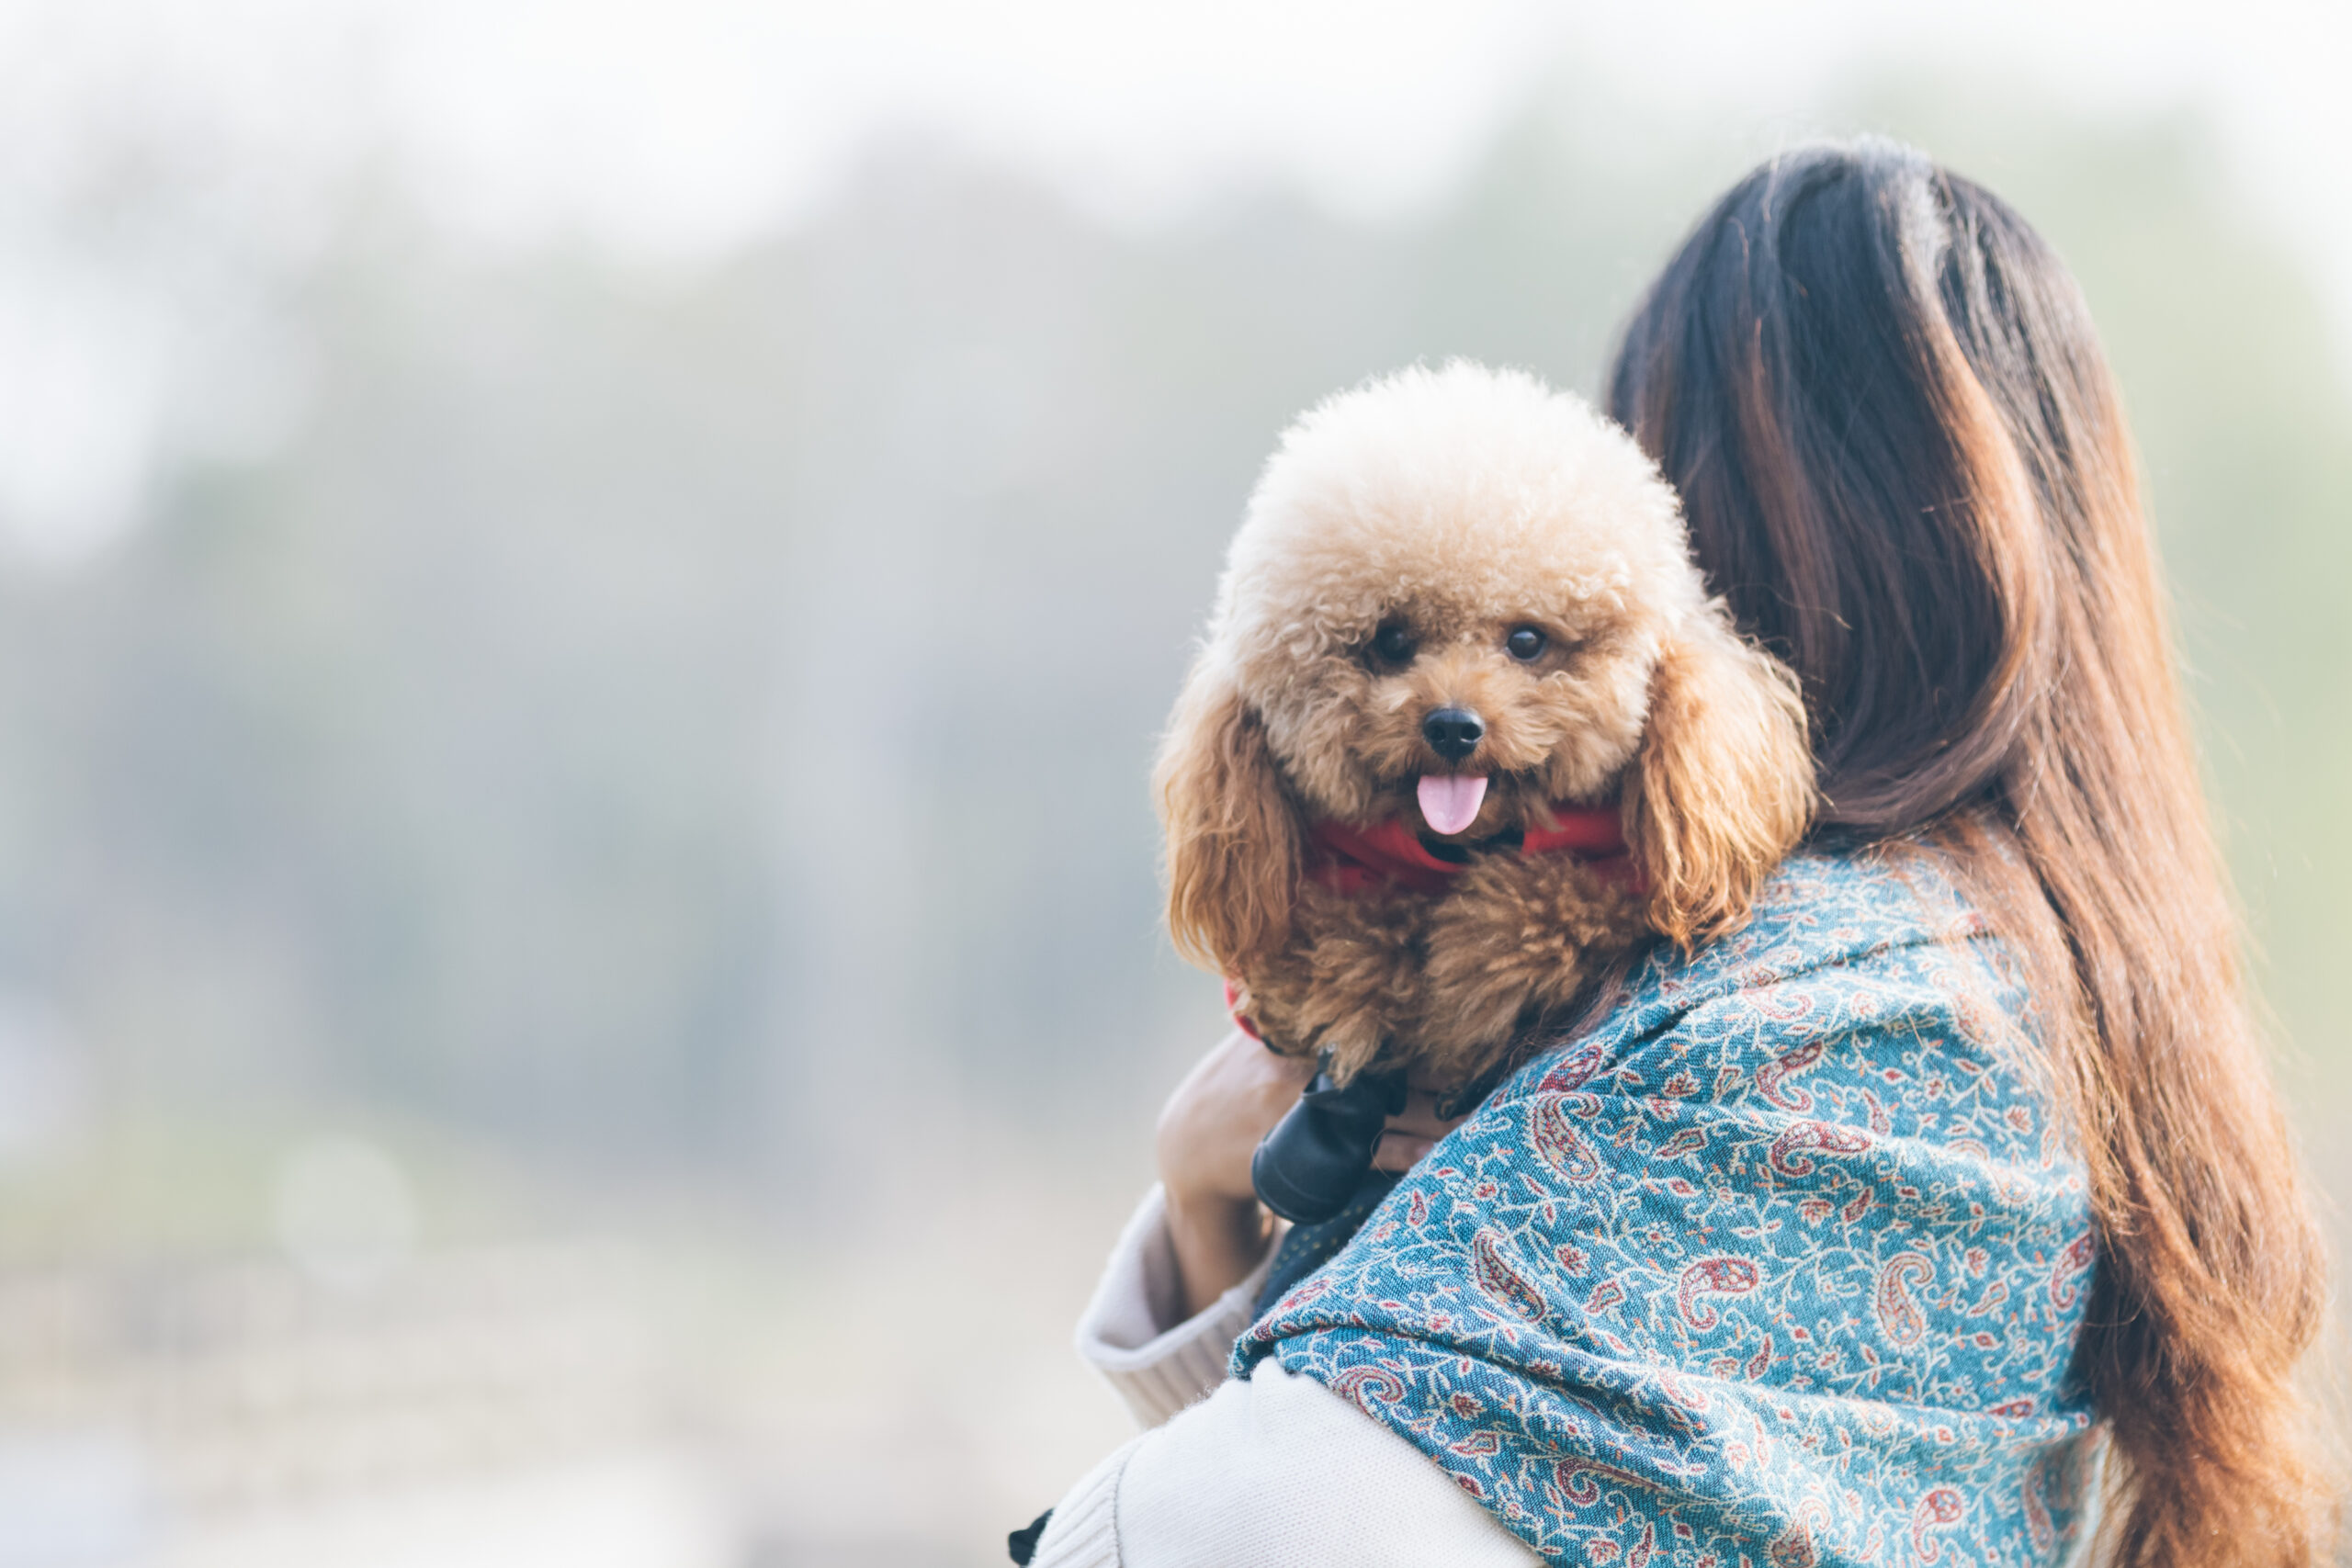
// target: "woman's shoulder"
[[1867, 972], [1827, 916], [1795, 1214]]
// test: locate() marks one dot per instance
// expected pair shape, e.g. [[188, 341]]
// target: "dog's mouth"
[[1450, 801]]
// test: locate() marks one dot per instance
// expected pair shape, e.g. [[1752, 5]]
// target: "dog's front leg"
[[1345, 980], [1517, 935]]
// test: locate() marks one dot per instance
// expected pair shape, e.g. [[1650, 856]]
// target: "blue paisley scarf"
[[1780, 1265]]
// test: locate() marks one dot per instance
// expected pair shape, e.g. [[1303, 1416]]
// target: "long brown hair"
[[1903, 461]]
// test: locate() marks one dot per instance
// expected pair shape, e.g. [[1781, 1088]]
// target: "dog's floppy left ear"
[[1233, 836], [1723, 787]]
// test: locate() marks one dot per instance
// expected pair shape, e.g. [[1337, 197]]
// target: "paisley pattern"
[[1899, 1317], [1728, 1276], [1782, 1263], [1554, 1137], [1502, 1283]]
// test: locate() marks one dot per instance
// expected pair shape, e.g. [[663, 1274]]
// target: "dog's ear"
[[1723, 787], [1233, 834]]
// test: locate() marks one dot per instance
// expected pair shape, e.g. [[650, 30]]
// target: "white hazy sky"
[[677, 125], [673, 128]]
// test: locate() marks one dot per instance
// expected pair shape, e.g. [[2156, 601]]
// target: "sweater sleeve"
[[1133, 1332], [1274, 1472]]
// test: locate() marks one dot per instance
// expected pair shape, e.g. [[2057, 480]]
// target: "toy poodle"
[[1466, 726]]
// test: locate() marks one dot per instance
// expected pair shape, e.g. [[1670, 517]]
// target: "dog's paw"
[[1516, 936]]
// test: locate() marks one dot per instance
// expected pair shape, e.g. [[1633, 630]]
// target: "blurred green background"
[[579, 947]]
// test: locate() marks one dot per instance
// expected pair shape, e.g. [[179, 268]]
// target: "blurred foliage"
[[677, 723]]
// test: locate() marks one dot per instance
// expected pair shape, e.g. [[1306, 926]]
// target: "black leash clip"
[[1315, 1158]]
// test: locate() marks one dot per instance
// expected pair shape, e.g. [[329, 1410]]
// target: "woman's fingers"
[[1420, 1119], [1233, 1096], [1399, 1152], [1412, 1133]]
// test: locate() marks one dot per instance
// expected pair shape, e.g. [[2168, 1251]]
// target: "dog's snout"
[[1452, 733]]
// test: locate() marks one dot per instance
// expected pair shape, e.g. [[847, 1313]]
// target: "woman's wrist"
[[1217, 1241]]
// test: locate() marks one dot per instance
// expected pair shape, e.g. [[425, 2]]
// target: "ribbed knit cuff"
[[1084, 1530], [1130, 1332]]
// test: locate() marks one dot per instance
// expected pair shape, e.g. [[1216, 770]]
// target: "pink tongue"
[[1449, 801]]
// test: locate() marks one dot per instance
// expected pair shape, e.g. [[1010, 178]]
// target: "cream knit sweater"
[[1277, 1470]]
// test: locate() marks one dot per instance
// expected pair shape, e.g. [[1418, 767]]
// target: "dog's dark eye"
[[1393, 643], [1525, 644]]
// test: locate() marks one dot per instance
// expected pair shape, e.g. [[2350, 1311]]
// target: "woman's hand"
[[1413, 1133], [1208, 1130]]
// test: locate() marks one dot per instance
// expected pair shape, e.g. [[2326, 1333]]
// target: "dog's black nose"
[[1452, 733]]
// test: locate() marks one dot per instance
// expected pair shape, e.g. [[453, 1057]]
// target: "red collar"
[[1357, 860]]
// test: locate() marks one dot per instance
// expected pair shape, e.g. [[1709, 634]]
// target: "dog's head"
[[1459, 597]]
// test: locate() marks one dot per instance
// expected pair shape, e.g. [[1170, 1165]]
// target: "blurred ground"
[[579, 967]]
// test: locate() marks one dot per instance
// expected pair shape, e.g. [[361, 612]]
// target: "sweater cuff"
[[1131, 1331], [1084, 1530]]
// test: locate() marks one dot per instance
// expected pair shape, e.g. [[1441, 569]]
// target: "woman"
[[1946, 1209]]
